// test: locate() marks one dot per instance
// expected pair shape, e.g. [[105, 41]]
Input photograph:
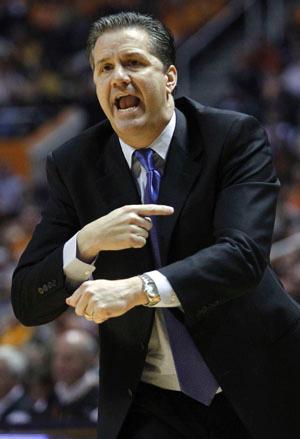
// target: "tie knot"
[[146, 158]]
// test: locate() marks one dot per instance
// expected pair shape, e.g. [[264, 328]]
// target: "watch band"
[[150, 289]]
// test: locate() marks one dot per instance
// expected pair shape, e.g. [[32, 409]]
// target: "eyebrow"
[[126, 55], [101, 61]]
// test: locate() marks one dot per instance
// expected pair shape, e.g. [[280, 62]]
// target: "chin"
[[130, 128]]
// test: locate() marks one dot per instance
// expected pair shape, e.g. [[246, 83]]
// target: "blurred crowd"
[[42, 387], [265, 82], [49, 375], [43, 63]]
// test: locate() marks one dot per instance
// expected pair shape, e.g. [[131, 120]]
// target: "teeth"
[[126, 109]]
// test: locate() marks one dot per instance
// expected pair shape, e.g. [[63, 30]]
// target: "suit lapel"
[[118, 187], [182, 169]]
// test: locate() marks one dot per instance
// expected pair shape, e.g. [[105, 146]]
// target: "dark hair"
[[161, 38]]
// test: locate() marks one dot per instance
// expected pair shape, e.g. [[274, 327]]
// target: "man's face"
[[132, 85], [69, 362]]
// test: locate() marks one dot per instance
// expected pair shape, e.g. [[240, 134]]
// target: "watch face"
[[153, 296], [151, 290]]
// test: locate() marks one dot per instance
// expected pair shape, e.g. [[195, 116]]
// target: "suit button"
[[130, 393], [40, 290]]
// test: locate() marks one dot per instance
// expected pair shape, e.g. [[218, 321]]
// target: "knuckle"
[[126, 208], [140, 242], [93, 300], [132, 217], [132, 228], [132, 240], [88, 293]]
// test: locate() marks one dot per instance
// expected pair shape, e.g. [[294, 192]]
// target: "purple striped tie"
[[193, 374]]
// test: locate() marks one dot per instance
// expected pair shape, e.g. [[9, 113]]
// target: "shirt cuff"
[[75, 270], [166, 292]]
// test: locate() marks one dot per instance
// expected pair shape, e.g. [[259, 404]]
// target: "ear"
[[171, 78]]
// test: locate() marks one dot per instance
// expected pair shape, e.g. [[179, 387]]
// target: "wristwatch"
[[150, 289]]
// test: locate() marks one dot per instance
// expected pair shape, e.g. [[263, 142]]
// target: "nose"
[[120, 76]]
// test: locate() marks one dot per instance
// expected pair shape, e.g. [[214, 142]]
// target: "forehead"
[[125, 40]]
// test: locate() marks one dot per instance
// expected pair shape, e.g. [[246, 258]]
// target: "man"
[[74, 398], [199, 245]]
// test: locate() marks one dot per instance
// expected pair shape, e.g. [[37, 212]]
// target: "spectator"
[[14, 403], [73, 399]]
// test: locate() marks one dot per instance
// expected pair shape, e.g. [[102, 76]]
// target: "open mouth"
[[125, 103]]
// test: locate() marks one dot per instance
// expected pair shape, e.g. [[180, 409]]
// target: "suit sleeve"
[[39, 289], [242, 224]]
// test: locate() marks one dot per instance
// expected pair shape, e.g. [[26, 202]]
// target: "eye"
[[106, 67], [133, 63]]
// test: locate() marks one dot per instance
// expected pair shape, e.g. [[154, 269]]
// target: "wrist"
[[85, 251], [136, 288]]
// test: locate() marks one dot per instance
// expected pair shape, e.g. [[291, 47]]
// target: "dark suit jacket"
[[215, 250]]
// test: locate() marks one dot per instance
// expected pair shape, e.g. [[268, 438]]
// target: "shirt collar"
[[160, 145]]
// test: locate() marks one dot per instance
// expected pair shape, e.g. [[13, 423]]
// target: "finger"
[[138, 231], [152, 209], [89, 318], [99, 321], [73, 299], [82, 304], [139, 221], [91, 309], [145, 222], [137, 241]]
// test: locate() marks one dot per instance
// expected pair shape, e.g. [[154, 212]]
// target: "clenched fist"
[[99, 300]]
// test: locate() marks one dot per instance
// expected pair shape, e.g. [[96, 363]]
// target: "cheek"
[[157, 96], [155, 89], [102, 94]]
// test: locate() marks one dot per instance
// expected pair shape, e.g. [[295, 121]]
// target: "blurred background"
[[242, 55]]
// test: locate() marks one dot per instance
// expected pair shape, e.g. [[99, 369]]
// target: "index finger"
[[153, 209]]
